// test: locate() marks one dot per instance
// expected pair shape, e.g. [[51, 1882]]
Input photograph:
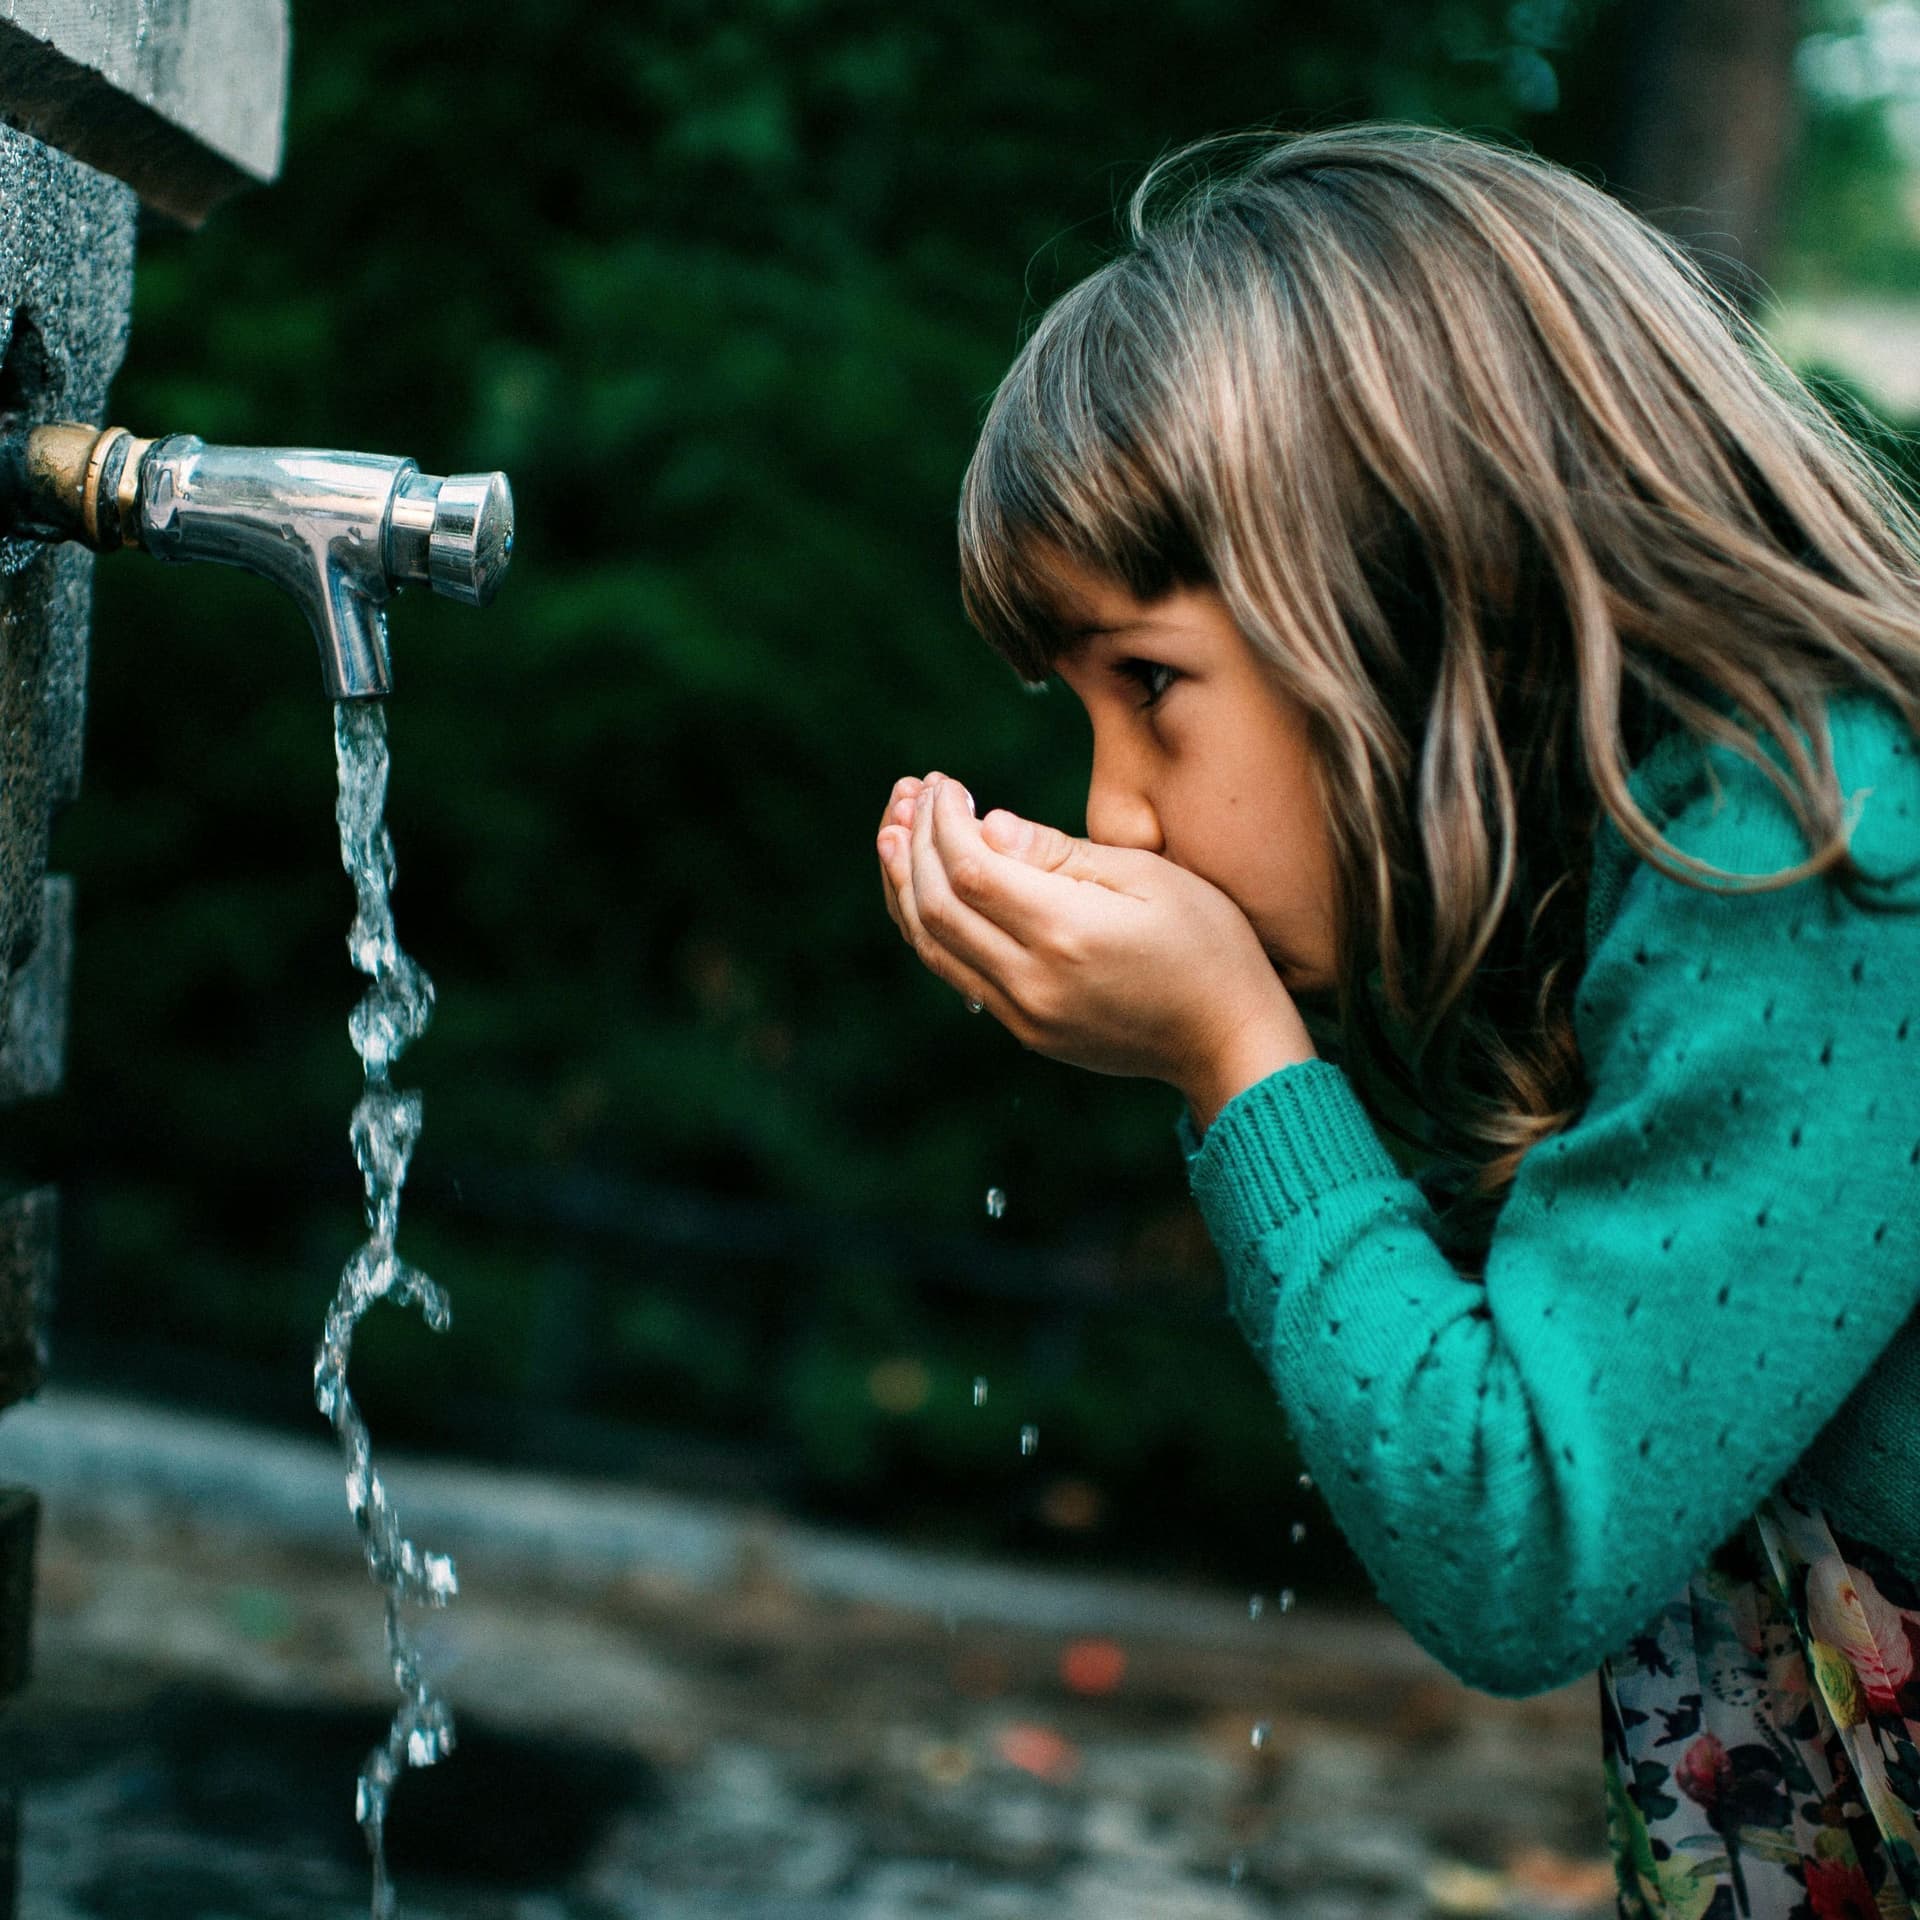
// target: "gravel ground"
[[670, 1711]]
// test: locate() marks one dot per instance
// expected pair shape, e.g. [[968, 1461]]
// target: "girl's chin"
[[1321, 1002], [1302, 982]]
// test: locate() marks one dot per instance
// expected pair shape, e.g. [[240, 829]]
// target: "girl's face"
[[1201, 757]]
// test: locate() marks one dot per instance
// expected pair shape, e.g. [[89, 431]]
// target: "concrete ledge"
[[184, 100], [87, 1453]]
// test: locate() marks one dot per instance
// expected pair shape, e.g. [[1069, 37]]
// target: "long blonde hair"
[[1503, 488]]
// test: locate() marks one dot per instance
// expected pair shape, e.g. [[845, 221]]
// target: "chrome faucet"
[[338, 532]]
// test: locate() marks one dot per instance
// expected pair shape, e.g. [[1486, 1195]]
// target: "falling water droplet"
[[979, 1389], [1029, 1439], [1305, 1483], [1297, 1532], [1261, 1730], [1286, 1599], [1256, 1606], [1237, 1869], [996, 1203]]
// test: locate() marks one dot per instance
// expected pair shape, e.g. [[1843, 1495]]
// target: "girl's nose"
[[1119, 813]]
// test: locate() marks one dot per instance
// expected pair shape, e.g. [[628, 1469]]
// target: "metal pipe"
[[339, 533]]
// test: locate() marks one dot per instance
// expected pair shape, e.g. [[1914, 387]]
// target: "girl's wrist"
[[1247, 1057]]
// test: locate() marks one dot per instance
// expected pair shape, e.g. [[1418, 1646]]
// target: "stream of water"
[[392, 1013]]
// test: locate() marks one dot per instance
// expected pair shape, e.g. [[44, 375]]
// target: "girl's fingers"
[[891, 846], [972, 986], [956, 929], [898, 814], [1025, 895], [910, 871]]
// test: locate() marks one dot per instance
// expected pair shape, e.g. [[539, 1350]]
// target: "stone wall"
[[105, 105], [66, 289]]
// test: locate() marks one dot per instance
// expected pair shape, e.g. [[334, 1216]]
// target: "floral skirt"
[[1761, 1737]]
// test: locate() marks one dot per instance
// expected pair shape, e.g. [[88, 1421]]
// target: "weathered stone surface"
[[33, 1046], [29, 1248], [66, 283], [66, 287], [639, 1747], [185, 100], [19, 1528]]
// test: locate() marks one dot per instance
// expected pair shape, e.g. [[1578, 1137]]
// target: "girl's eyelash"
[[1153, 677]]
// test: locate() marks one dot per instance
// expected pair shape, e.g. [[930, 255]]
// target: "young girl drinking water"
[[1504, 677]]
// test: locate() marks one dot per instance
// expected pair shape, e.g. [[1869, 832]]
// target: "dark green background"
[[725, 296]]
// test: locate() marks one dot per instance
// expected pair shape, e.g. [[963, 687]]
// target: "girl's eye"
[[1153, 677]]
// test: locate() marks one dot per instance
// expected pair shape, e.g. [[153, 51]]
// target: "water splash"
[[392, 1013]]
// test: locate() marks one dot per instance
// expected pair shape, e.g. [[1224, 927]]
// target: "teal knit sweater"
[[1702, 1287]]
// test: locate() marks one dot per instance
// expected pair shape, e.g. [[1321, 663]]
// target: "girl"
[[1504, 676]]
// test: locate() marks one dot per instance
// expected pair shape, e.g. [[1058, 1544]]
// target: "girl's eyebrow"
[[1095, 631]]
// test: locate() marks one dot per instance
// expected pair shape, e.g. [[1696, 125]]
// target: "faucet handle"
[[455, 533], [472, 538]]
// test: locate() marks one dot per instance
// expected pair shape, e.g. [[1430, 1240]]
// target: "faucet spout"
[[339, 533], [312, 523]]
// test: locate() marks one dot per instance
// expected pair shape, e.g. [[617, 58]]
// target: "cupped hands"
[[1109, 958]]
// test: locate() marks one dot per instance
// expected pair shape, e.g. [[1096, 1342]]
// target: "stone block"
[[184, 100], [29, 1250], [66, 283], [19, 1528], [33, 1043]]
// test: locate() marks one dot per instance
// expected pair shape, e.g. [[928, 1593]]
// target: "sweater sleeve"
[[1681, 1289]]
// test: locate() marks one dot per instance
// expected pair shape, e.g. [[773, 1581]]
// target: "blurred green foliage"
[[725, 291], [1853, 220]]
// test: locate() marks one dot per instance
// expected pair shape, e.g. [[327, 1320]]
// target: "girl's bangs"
[[1062, 474]]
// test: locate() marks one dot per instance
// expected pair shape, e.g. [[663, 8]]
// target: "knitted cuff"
[[1276, 1148]]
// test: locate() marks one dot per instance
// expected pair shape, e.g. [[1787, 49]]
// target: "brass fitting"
[[83, 483]]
